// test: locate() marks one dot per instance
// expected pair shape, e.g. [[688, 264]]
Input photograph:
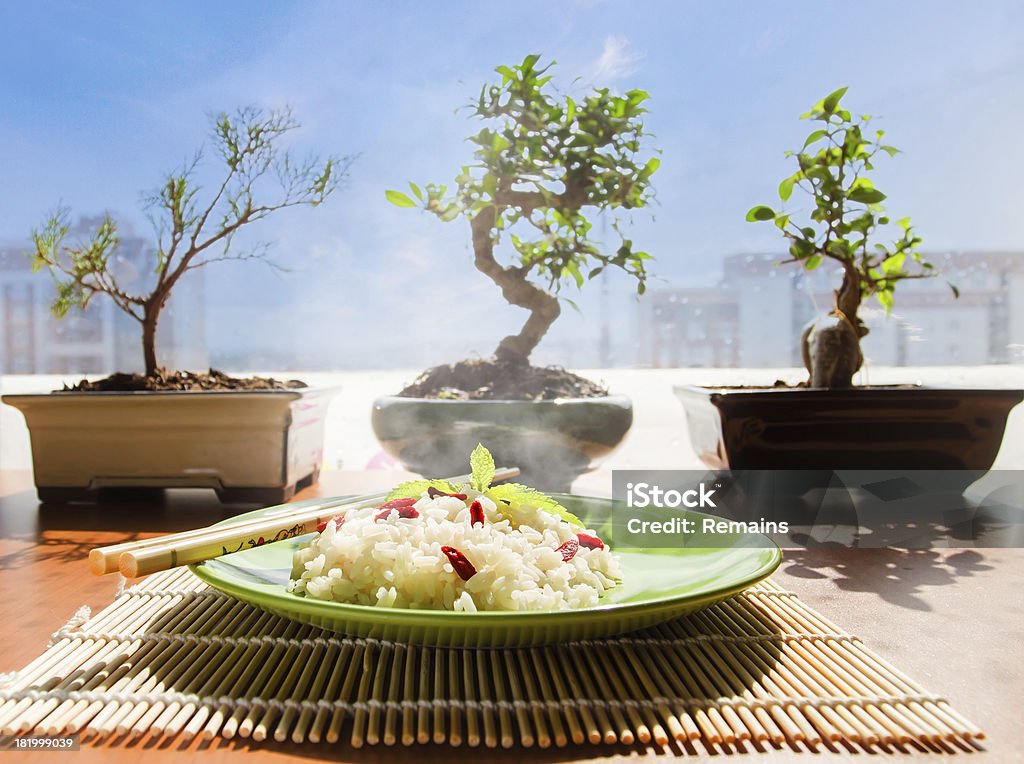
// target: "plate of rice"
[[478, 565]]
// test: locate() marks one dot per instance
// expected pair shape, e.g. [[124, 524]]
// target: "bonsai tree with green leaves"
[[846, 216], [545, 165], [194, 225]]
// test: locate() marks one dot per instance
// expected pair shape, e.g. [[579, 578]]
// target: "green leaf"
[[831, 101], [529, 61], [499, 143], [893, 264], [760, 213], [399, 199], [956, 291], [814, 137], [573, 270], [650, 168], [801, 249], [416, 190], [886, 299], [819, 172], [413, 489], [839, 248], [506, 74], [518, 497], [481, 465], [866, 195], [786, 187]]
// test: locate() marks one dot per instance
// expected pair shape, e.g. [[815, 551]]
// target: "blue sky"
[[101, 98]]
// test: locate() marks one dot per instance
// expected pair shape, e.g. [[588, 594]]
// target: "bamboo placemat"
[[172, 657]]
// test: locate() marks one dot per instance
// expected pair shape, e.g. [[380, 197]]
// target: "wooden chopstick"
[[103, 560], [165, 552]]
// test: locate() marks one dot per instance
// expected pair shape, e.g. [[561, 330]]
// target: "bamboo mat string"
[[171, 658]]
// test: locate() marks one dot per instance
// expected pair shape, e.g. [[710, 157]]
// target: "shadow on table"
[[587, 752], [143, 510], [898, 576], [876, 511], [66, 532], [442, 752]]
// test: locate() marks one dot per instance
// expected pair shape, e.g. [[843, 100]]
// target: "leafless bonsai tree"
[[193, 229]]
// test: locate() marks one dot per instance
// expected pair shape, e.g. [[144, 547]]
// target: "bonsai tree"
[[546, 164], [194, 225], [846, 216]]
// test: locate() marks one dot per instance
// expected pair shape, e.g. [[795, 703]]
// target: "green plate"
[[658, 585]]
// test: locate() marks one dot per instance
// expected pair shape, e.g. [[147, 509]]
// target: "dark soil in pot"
[[491, 380], [552, 424], [164, 381]]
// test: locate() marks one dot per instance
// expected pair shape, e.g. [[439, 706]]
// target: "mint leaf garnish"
[[481, 465], [518, 496]]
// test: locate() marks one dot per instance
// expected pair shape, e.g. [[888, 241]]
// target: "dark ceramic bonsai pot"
[[870, 428], [552, 442]]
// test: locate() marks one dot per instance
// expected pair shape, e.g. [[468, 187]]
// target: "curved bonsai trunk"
[[544, 309], [831, 345], [517, 290]]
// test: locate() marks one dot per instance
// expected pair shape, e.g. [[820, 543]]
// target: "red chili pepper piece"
[[589, 542], [404, 513], [569, 549], [338, 520], [476, 513], [459, 562], [396, 503]]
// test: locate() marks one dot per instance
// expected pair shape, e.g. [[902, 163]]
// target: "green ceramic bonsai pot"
[[553, 442]]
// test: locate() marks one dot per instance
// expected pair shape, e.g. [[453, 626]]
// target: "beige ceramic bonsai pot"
[[251, 446]]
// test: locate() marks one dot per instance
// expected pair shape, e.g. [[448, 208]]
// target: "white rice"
[[398, 562]]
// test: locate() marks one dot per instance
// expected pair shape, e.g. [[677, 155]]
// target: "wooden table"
[[952, 619]]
